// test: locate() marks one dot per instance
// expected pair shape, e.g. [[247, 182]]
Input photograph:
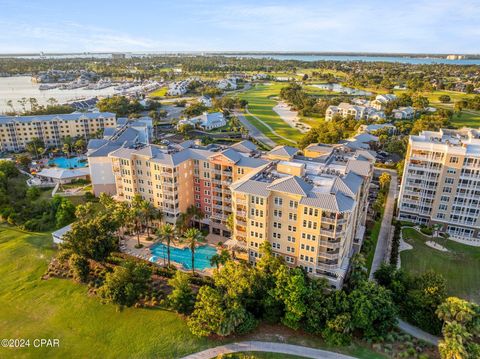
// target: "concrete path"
[[386, 228], [255, 346], [418, 333], [254, 132], [269, 127]]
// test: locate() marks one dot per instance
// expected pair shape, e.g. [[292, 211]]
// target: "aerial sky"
[[414, 26]]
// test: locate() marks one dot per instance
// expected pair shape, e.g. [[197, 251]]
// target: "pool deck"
[[128, 246]]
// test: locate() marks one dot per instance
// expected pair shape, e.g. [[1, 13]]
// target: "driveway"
[[255, 346], [386, 229]]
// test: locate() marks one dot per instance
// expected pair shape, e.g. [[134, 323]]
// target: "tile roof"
[[244, 146]]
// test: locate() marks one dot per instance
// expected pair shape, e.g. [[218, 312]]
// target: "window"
[[278, 201], [293, 204], [453, 159]]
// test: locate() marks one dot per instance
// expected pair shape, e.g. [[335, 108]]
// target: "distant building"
[[376, 127], [62, 175], [404, 113], [206, 101], [358, 112], [127, 134], [206, 121], [440, 183], [382, 100], [227, 84], [17, 131]]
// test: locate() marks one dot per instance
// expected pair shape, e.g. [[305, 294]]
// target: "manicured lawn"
[[61, 309], [260, 104], [161, 92], [460, 266], [57, 308]]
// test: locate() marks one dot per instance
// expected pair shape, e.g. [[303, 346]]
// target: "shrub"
[[80, 267]]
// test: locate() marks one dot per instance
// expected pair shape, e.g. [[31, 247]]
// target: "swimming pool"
[[184, 256], [72, 162]]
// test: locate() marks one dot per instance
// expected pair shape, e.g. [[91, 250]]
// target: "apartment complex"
[[17, 131], [174, 178], [312, 210], [441, 183], [357, 112]]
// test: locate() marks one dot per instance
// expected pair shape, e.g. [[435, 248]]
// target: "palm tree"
[[167, 235], [220, 258], [185, 219], [193, 236]]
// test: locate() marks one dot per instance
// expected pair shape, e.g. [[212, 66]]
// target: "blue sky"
[[433, 26]]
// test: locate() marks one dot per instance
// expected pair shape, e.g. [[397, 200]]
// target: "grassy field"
[[260, 104], [260, 355], [58, 308], [161, 92], [460, 266]]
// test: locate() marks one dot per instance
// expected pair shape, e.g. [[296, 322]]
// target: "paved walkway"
[[255, 346], [418, 333], [386, 228], [255, 132], [270, 128]]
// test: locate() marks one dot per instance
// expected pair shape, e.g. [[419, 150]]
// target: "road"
[[255, 346], [386, 227], [253, 131]]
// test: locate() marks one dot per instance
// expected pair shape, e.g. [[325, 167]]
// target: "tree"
[[65, 213], [359, 271], [79, 266], [444, 98], [220, 259], [384, 180], [126, 283], [209, 313], [373, 311], [338, 330], [34, 146], [80, 145], [167, 234], [461, 329], [192, 237], [182, 298], [291, 290], [92, 237]]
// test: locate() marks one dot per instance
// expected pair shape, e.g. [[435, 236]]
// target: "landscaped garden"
[[460, 266], [62, 309]]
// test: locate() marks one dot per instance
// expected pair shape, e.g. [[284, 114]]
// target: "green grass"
[[460, 266], [59, 308], [260, 104], [161, 92], [56, 308]]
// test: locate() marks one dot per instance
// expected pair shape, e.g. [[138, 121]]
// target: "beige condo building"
[[173, 179], [441, 183], [312, 210], [17, 131]]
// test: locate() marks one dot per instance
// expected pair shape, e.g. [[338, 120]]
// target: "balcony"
[[327, 232], [241, 222], [241, 202], [329, 255], [329, 220], [326, 266]]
